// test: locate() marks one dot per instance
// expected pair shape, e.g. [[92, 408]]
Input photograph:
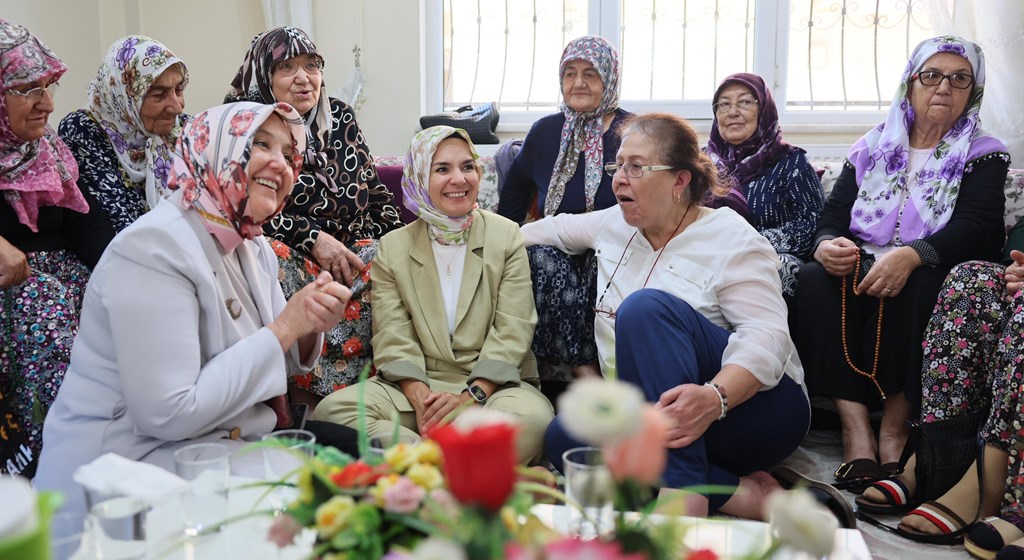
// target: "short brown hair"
[[676, 144]]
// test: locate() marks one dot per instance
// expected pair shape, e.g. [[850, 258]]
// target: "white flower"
[[601, 411], [479, 417], [438, 549], [801, 522]]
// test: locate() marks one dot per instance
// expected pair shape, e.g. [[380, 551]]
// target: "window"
[[826, 60]]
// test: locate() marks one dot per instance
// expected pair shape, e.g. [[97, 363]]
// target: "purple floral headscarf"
[[881, 158], [582, 132], [748, 160]]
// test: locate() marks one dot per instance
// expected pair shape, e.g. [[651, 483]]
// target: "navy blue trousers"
[[660, 343]]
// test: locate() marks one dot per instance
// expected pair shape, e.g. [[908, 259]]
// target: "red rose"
[[479, 465], [355, 475], [702, 554]]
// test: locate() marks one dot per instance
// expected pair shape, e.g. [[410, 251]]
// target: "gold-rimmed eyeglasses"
[[36, 93], [745, 105], [633, 170]]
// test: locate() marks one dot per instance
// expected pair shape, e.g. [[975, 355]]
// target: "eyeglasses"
[[932, 78], [633, 170], [744, 105], [289, 67], [36, 93]]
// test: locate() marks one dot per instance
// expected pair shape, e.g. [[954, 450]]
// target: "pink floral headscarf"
[[416, 185], [41, 172], [211, 160]]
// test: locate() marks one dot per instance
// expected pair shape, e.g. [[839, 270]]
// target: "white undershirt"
[[450, 261], [915, 163]]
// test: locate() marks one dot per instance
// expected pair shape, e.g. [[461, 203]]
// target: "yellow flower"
[[400, 457], [305, 483], [428, 452], [426, 476], [332, 515], [383, 483]]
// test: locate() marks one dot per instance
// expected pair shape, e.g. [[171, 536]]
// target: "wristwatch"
[[478, 394]]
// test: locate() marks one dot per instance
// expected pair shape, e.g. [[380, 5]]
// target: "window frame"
[[771, 50]]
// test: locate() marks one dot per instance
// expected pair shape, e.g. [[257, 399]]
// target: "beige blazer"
[[495, 314]]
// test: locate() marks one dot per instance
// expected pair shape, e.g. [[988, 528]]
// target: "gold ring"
[[888, 290]]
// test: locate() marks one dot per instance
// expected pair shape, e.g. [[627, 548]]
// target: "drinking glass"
[[66, 534], [115, 526], [588, 483], [282, 461], [207, 468]]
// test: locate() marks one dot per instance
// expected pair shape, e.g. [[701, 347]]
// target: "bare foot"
[[750, 498]]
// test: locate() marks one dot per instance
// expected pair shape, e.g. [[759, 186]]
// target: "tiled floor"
[[818, 457]]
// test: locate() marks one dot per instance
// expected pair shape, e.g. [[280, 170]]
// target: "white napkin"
[[112, 474]]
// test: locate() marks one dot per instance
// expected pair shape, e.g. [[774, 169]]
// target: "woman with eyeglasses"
[[560, 167], [690, 309], [52, 233], [782, 192], [124, 136], [339, 207], [918, 194]]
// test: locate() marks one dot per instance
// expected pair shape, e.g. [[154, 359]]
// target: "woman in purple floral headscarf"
[[919, 193]]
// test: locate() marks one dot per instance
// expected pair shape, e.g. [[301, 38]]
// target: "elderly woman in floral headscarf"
[[453, 307], [185, 330], [781, 192], [51, 235], [920, 193], [561, 165], [339, 205], [132, 118]]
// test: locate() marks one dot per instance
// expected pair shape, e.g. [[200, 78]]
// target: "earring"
[[677, 199]]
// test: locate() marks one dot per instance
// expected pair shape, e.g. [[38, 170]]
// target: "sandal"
[[1012, 551], [952, 525], [857, 474], [991, 535], [826, 494], [898, 498]]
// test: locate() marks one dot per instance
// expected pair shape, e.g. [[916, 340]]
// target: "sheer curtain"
[[297, 13], [998, 26]]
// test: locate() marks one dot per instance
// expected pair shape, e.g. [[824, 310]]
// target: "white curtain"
[[296, 13], [998, 26]]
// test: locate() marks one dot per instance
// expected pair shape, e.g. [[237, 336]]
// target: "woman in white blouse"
[[689, 308]]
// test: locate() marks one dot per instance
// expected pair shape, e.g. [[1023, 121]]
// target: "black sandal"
[[898, 498], [857, 474], [826, 494]]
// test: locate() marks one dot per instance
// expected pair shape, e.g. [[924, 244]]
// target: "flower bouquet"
[[459, 494]]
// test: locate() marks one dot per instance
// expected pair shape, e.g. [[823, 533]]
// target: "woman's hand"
[[890, 272], [334, 257], [1014, 274], [691, 409], [438, 406], [14, 267], [316, 308], [838, 256]]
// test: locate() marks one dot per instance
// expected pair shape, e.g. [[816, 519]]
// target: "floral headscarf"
[[881, 158], [210, 165], [582, 132], [254, 82], [746, 161], [416, 185], [42, 172], [115, 98]]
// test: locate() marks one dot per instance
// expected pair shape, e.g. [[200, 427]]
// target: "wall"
[[211, 37]]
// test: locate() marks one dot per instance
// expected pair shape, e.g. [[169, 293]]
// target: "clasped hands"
[[314, 309], [334, 257], [887, 276]]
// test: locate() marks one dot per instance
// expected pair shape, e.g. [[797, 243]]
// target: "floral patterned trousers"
[[974, 359]]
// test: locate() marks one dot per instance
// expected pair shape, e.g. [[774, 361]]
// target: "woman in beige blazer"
[[453, 311]]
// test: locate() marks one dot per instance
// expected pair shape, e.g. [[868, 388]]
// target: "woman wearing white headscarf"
[[132, 117], [453, 307]]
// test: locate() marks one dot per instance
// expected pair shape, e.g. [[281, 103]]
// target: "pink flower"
[[404, 496], [573, 549], [283, 531], [642, 456]]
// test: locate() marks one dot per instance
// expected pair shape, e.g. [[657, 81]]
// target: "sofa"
[[390, 171]]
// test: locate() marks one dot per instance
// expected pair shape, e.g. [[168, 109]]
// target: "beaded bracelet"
[[722, 398]]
